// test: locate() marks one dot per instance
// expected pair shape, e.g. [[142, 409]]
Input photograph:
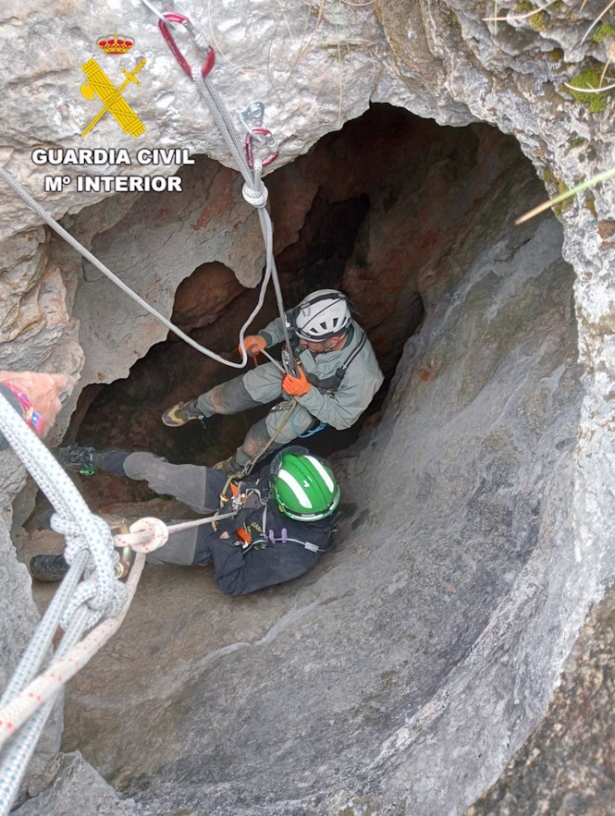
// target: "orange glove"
[[253, 345], [296, 386]]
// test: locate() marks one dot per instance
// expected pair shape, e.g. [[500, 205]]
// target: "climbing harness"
[[310, 431], [329, 385]]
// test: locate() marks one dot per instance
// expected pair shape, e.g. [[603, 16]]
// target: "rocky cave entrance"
[[301, 692], [371, 209]]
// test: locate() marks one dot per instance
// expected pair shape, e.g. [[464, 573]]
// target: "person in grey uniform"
[[337, 377]]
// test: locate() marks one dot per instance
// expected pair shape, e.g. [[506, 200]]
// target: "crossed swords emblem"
[[99, 85]]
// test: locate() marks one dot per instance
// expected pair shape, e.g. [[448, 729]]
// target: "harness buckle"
[[175, 17]]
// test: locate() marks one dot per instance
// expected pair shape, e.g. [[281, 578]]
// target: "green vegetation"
[[539, 21], [562, 190], [588, 78], [603, 32]]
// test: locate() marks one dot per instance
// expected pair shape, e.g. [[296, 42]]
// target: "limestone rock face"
[[563, 766], [77, 785], [466, 567], [381, 679]]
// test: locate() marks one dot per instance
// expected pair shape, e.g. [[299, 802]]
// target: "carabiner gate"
[[174, 17], [269, 140]]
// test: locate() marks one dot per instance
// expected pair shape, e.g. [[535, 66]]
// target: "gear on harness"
[[329, 385], [182, 413], [322, 315], [269, 537]]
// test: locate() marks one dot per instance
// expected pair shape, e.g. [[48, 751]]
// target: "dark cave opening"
[[371, 209]]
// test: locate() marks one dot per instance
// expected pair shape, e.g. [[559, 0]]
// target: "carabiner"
[[174, 17], [269, 141]]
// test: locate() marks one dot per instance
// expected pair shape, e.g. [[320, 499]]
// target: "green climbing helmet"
[[304, 487]]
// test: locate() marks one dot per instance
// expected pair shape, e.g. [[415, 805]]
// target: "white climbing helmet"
[[322, 315]]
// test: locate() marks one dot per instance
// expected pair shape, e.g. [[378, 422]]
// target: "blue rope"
[[319, 427]]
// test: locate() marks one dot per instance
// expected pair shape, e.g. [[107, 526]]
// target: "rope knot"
[[257, 197]]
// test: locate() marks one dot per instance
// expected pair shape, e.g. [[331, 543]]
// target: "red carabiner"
[[174, 17], [260, 131]]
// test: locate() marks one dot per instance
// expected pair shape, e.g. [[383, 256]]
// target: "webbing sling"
[[331, 384]]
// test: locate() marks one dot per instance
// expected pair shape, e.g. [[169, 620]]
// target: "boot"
[[78, 458], [54, 567], [48, 567], [181, 413]]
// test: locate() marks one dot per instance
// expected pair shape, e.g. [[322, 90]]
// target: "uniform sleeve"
[[342, 409], [238, 572], [274, 332]]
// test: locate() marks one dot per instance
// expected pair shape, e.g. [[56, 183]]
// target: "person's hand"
[[253, 344], [43, 391], [296, 386]]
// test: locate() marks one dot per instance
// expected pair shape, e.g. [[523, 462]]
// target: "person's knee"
[[256, 439], [139, 465], [230, 397]]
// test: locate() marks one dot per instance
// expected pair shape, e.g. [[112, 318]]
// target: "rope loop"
[[145, 536], [76, 542], [256, 197], [87, 593]]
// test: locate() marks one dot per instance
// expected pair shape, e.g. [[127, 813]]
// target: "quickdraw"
[[174, 17], [267, 139]]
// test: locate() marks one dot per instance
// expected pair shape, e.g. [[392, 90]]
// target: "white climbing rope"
[[34, 205], [254, 190], [254, 193], [145, 536], [81, 605], [76, 607]]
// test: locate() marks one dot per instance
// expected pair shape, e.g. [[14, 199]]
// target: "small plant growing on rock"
[[603, 32], [586, 88]]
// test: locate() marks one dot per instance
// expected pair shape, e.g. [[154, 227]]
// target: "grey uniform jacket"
[[361, 381]]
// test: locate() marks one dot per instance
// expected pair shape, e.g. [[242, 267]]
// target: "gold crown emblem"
[[115, 44]]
